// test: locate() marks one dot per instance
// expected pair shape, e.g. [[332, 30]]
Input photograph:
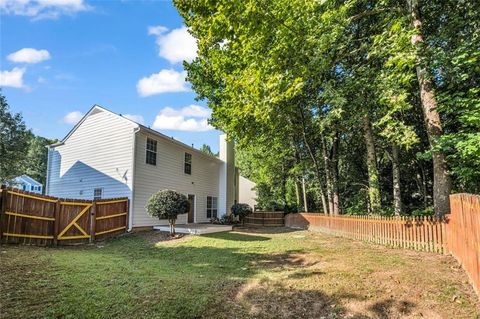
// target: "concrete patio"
[[196, 229]]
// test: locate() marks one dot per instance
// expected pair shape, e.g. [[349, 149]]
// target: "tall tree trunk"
[[298, 194], [373, 176], [397, 195], [315, 164], [441, 179], [334, 163], [298, 190], [328, 175], [304, 188]]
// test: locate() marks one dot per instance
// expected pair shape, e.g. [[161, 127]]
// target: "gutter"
[[134, 155]]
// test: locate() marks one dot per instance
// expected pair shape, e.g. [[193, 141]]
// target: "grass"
[[248, 273]]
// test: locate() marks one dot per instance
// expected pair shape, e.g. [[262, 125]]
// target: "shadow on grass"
[[265, 230], [267, 299], [235, 237]]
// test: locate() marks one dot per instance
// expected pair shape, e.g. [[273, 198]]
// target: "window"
[[212, 209], [31, 188], [151, 152], [97, 193], [187, 167]]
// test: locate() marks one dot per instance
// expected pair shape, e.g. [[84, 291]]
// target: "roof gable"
[[94, 110], [28, 180]]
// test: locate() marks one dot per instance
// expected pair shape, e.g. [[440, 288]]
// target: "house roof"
[[97, 108], [28, 180]]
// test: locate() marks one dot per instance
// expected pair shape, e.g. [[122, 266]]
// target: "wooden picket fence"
[[457, 234], [420, 233], [30, 218]]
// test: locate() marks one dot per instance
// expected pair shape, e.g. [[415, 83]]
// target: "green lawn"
[[259, 274]]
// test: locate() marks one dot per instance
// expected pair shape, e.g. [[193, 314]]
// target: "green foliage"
[[207, 150], [292, 81], [14, 139], [241, 210], [224, 220], [36, 159], [423, 212], [167, 204]]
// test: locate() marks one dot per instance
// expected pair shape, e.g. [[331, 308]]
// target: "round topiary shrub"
[[167, 204], [241, 210]]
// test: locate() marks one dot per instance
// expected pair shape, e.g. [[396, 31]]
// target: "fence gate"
[[74, 223]]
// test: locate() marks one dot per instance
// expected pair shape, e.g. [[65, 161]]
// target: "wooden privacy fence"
[[29, 218], [272, 219], [463, 234], [458, 233]]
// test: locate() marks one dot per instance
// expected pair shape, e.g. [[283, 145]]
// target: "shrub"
[[241, 210], [168, 204], [224, 220]]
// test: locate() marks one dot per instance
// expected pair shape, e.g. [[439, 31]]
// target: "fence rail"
[[458, 233], [30, 218]]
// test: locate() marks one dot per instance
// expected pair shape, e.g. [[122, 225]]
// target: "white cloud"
[[43, 9], [192, 118], [157, 30], [72, 117], [29, 55], [175, 46], [163, 82], [136, 118], [13, 78]]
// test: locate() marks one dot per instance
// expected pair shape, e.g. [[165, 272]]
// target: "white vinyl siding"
[[98, 154], [168, 174]]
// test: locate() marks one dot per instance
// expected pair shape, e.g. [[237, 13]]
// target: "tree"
[[168, 204], [36, 159], [441, 178], [14, 138], [335, 94], [207, 150]]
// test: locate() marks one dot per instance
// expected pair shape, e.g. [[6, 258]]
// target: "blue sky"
[[60, 57]]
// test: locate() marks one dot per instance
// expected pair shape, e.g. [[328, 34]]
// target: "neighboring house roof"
[[28, 180], [97, 108]]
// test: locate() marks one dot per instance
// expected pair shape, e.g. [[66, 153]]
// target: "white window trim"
[[206, 209], [147, 150], [101, 194], [191, 163]]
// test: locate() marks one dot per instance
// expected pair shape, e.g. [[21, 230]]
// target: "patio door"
[[191, 212]]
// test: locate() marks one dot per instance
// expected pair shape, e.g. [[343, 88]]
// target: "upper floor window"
[[97, 193], [187, 167], [151, 156]]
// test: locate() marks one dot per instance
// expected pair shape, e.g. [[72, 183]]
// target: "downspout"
[[134, 155]]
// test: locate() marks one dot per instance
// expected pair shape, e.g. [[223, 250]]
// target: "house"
[[27, 183], [107, 155]]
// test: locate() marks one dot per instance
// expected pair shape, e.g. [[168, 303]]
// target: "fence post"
[[127, 216], [3, 208], [56, 223], [93, 221]]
